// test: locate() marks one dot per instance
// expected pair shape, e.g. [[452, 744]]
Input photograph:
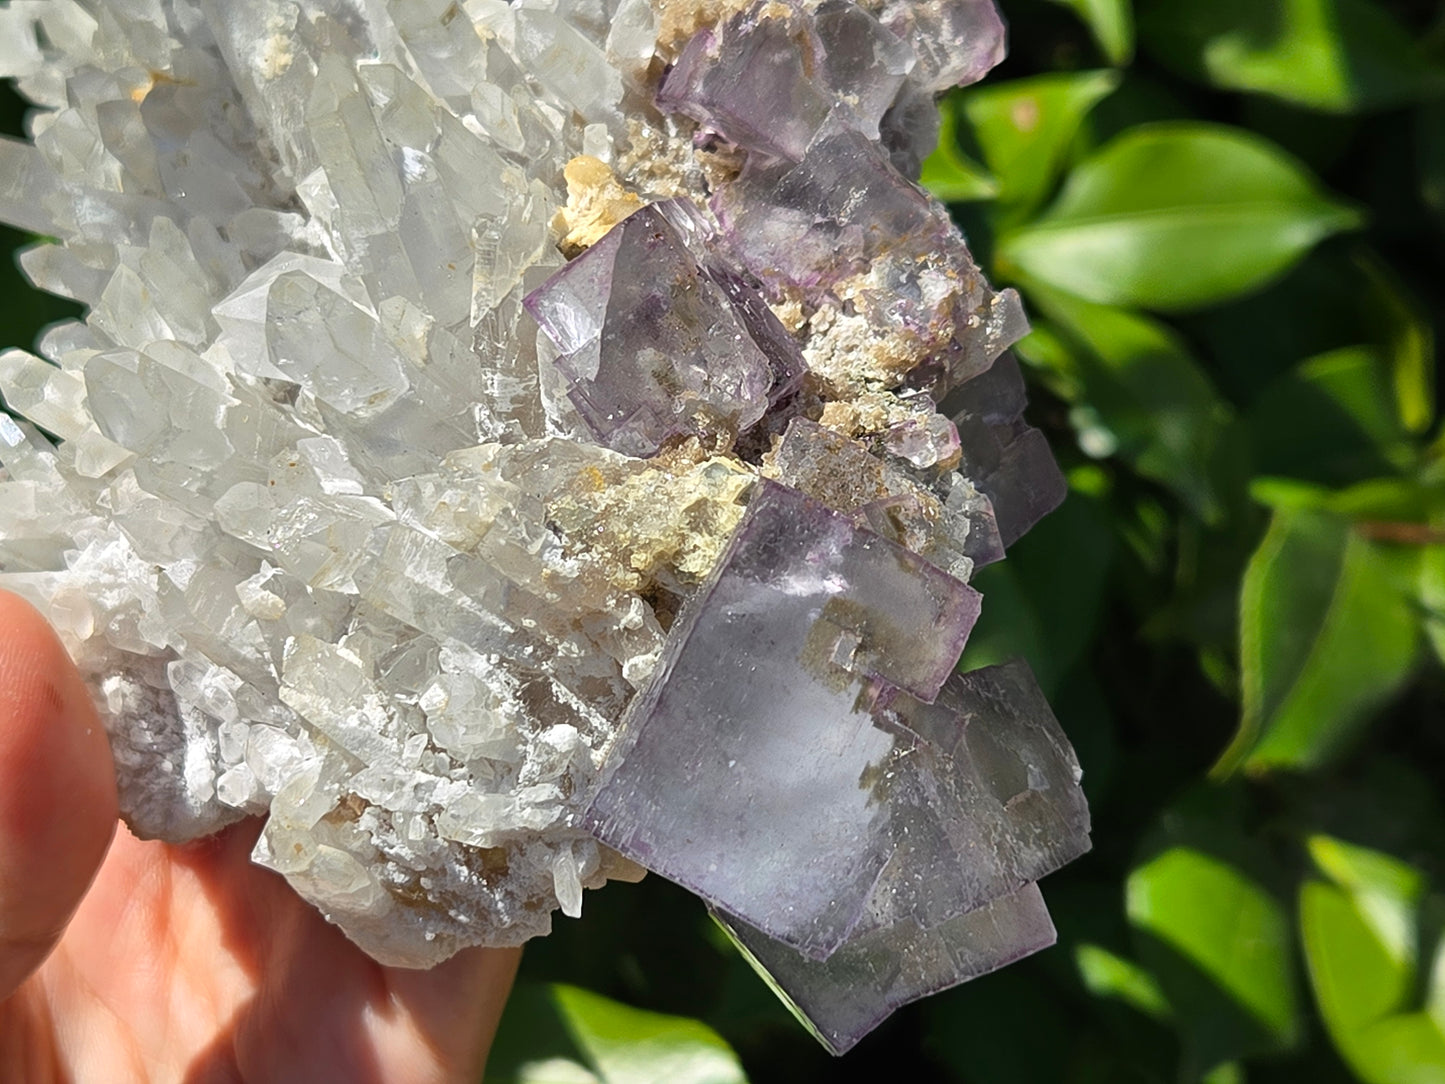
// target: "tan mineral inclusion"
[[596, 201]]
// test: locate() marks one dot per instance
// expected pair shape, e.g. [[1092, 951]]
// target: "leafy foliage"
[[1229, 233]]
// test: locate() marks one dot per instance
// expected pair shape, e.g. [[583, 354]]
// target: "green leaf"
[[1404, 332], [1229, 1072], [1397, 501], [948, 173], [1175, 216], [1222, 950], [1340, 56], [1387, 891], [1326, 636], [1044, 601], [1359, 932], [629, 1046], [1138, 394], [1112, 24], [1105, 974], [1026, 127], [553, 1034], [1431, 593], [1333, 420]]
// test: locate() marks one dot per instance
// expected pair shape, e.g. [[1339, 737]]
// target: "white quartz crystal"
[[304, 231]]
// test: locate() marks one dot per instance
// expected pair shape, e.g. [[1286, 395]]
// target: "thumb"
[[57, 791]]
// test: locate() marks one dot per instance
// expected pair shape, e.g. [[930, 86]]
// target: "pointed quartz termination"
[[843, 998], [767, 78], [1002, 454], [749, 768], [654, 338]]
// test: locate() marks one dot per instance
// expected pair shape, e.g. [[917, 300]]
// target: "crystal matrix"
[[511, 442]]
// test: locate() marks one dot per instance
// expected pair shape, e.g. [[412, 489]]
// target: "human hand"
[[123, 960]]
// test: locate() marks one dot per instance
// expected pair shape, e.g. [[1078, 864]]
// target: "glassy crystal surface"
[[653, 344], [476, 400], [987, 799], [756, 733], [1006, 457], [844, 997], [767, 78]]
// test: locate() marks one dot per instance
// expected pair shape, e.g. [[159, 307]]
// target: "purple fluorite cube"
[[748, 80], [768, 78], [813, 222], [844, 997], [982, 804], [956, 41], [1003, 455], [751, 769], [654, 339], [986, 802]]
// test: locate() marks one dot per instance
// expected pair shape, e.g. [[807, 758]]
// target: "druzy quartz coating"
[[511, 446]]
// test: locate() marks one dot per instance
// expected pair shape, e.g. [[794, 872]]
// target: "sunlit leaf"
[[1106, 974], [629, 1046], [1336, 55], [1377, 506], [1229, 1072], [554, 1071], [1112, 24], [949, 173], [1026, 127], [1222, 950], [1387, 891], [1333, 419], [1175, 216], [1432, 585], [1405, 334], [1138, 394], [553, 1034], [1359, 931], [1326, 636]]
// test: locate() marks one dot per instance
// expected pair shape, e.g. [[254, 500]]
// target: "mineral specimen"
[[513, 444]]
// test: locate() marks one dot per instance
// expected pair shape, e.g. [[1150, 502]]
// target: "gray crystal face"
[[844, 997], [1006, 457], [652, 344], [839, 207], [767, 78], [751, 769], [956, 41], [986, 801]]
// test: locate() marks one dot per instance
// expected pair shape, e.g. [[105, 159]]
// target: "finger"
[[455, 1007], [57, 791]]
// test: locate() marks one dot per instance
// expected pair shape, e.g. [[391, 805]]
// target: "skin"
[[123, 960]]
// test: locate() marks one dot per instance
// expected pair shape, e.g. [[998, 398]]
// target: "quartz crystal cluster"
[[513, 445]]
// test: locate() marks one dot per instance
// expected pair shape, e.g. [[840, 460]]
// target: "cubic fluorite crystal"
[[512, 444]]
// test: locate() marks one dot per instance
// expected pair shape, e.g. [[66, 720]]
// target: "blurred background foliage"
[[1228, 220]]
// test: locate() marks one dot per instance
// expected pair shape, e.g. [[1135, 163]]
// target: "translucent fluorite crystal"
[[758, 720], [656, 341], [512, 442], [843, 998]]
